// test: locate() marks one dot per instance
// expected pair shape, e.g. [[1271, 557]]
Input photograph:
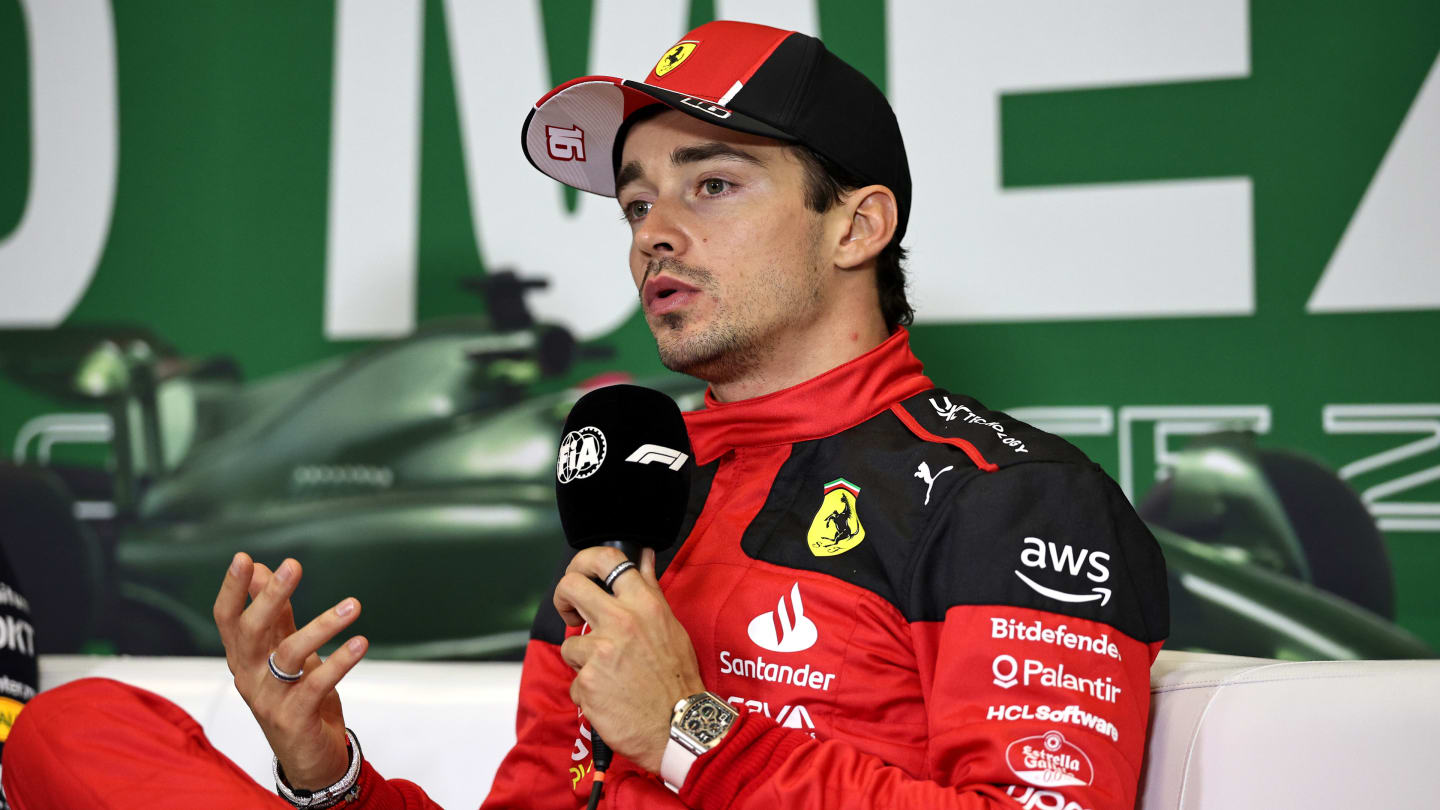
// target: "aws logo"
[[1064, 559]]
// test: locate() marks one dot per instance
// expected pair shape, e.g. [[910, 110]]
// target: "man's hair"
[[826, 184]]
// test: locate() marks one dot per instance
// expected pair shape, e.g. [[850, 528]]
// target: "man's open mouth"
[[664, 294]]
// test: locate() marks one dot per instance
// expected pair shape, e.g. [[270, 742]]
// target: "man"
[[908, 600], [886, 595]]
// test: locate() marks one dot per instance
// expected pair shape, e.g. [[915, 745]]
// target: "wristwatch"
[[698, 724]]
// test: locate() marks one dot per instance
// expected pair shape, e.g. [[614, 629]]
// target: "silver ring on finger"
[[281, 675], [616, 572]]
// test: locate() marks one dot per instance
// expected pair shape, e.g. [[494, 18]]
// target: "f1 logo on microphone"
[[646, 453]]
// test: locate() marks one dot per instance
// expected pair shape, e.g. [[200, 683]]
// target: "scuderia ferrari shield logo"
[[836, 528], [674, 57]]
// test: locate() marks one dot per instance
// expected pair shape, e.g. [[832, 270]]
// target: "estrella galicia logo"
[[785, 629], [1049, 760], [581, 454]]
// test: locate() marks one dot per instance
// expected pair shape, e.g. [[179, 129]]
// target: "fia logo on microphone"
[[581, 454]]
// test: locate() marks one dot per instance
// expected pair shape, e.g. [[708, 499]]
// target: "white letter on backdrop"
[[983, 253], [1389, 257], [498, 56], [370, 244], [47, 263]]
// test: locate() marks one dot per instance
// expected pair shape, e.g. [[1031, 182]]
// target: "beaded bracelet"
[[345, 790]]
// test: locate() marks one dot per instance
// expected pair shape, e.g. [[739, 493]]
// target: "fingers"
[[319, 683], [275, 592], [578, 596], [595, 562], [297, 648], [270, 608], [259, 578], [230, 602], [576, 651]]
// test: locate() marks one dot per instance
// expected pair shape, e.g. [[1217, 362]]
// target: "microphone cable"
[[601, 755]]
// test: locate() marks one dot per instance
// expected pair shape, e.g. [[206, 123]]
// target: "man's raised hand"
[[301, 720]]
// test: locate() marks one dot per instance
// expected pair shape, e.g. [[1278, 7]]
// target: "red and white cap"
[[741, 76]]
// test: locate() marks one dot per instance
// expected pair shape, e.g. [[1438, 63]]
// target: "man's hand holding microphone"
[[623, 480]]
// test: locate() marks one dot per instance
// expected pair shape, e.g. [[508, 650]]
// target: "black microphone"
[[622, 479], [623, 475]]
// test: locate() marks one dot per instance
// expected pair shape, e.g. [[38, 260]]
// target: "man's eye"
[[714, 185], [637, 210]]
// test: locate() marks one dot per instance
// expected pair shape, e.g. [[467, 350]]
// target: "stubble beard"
[[732, 345]]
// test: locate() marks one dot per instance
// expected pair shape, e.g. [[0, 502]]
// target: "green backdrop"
[[218, 235]]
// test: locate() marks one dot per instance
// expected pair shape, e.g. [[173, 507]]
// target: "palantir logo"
[[1005, 668], [785, 629]]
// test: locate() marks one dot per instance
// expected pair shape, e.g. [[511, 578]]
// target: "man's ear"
[[873, 217]]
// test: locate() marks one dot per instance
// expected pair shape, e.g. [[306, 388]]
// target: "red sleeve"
[[379, 793], [551, 757], [1034, 698], [545, 770], [1046, 746]]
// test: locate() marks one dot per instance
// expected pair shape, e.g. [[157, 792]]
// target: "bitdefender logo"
[[785, 629]]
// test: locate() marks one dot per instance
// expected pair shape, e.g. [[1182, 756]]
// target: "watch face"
[[705, 720]]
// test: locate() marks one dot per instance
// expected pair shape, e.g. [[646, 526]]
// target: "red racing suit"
[[915, 602]]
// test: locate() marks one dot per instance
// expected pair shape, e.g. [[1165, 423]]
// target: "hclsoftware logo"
[[785, 629]]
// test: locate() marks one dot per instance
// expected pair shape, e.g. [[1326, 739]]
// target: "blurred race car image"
[[418, 476]]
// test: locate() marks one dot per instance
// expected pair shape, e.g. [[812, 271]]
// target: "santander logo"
[[785, 629]]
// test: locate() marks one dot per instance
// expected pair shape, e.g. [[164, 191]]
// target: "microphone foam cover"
[[624, 467]]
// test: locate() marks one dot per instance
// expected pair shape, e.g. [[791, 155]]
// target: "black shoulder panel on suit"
[[1038, 525], [1053, 536], [999, 439]]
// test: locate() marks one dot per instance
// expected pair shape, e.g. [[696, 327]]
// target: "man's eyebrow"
[[682, 155], [628, 174], [713, 149]]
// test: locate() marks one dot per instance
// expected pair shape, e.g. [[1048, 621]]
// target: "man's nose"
[[661, 232]]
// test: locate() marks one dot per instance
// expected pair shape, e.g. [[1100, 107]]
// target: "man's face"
[[727, 258]]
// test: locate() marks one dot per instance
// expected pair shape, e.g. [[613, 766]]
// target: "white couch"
[[1226, 733]]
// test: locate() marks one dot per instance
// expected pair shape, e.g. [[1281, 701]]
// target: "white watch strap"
[[675, 764]]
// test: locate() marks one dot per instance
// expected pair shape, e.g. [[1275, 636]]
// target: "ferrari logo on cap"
[[836, 528], [674, 57]]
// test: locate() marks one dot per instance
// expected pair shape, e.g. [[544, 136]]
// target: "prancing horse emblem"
[[836, 527], [674, 57]]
